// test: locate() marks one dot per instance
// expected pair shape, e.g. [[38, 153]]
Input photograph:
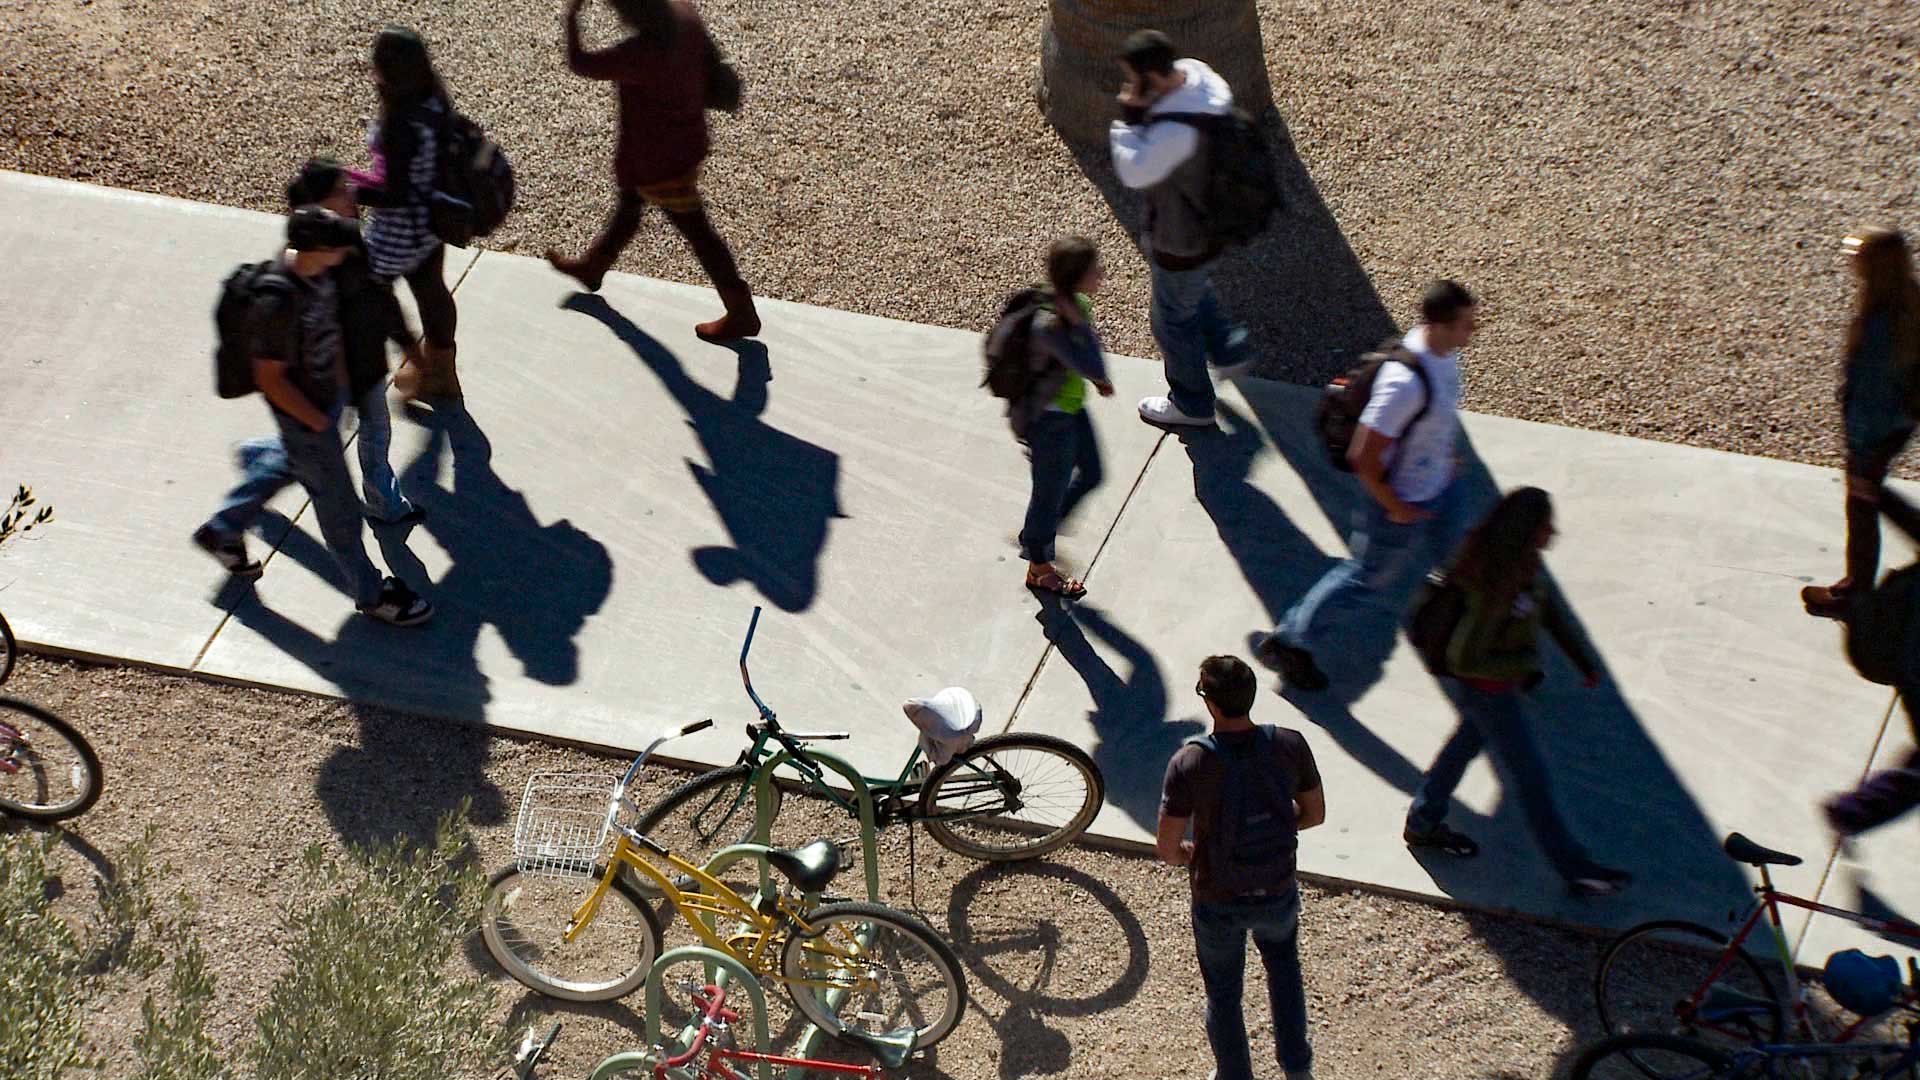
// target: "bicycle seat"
[[810, 868], [892, 1049], [1741, 849]]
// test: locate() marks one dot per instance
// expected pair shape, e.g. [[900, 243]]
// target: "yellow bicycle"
[[863, 972]]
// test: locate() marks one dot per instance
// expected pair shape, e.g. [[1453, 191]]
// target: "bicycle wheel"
[[887, 968], [48, 772], [9, 648], [703, 815], [1642, 1054], [1653, 977], [527, 914], [1012, 797]]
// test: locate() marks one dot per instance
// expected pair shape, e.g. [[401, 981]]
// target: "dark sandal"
[[1457, 844], [1053, 581]]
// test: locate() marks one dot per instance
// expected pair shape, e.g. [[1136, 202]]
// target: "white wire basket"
[[563, 825]]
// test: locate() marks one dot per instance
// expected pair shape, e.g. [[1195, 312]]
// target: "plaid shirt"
[[400, 238]]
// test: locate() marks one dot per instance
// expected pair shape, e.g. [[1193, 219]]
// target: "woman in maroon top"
[[661, 72]]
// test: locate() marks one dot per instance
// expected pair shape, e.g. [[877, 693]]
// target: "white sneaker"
[[1161, 410]]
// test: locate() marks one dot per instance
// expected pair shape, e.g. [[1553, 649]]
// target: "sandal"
[[1053, 581], [1458, 844]]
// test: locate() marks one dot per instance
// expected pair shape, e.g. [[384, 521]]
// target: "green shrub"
[[372, 990], [369, 993], [43, 969]]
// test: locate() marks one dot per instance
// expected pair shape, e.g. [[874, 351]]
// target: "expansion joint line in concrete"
[[1833, 856], [293, 522], [1046, 654]]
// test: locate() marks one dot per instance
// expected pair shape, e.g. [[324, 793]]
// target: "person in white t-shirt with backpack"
[[1405, 453]]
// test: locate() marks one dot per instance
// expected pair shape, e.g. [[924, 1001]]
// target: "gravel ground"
[[1649, 194], [1098, 981]]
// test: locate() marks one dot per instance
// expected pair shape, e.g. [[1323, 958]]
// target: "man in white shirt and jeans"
[[1166, 160], [1405, 453]]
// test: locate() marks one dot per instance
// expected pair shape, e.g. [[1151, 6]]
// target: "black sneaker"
[[413, 516], [399, 605], [228, 551], [1294, 664]]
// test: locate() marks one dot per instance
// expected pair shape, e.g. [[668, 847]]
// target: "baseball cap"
[[315, 228]]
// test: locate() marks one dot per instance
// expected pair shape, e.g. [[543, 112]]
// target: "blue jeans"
[[317, 461], [1496, 721], [1385, 557], [1189, 325], [378, 485], [1220, 941], [1066, 466]]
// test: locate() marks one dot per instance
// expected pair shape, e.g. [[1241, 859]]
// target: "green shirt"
[[1072, 397]]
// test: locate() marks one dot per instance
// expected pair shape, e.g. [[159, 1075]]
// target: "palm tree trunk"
[[1080, 46]]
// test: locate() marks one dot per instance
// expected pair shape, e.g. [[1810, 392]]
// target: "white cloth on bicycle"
[[947, 721]]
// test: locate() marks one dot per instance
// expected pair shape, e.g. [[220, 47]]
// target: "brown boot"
[[411, 377], [442, 376], [591, 268], [741, 320], [584, 270], [1828, 601]]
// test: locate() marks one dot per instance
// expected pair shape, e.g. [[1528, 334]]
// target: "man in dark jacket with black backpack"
[[1246, 790], [370, 317]]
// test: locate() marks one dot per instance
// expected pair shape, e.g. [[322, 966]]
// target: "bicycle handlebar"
[[633, 770], [746, 680], [710, 1002]]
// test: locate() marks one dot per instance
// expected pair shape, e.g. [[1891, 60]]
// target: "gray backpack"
[[1256, 828]]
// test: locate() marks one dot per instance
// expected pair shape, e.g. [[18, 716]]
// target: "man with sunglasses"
[[1246, 790]]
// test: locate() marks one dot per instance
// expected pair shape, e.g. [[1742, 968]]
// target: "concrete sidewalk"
[[617, 495]]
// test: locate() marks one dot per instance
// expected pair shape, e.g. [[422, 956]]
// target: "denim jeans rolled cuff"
[[1065, 466], [1220, 932]]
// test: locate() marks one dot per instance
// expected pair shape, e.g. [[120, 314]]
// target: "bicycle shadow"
[[1129, 715], [1014, 954], [775, 493]]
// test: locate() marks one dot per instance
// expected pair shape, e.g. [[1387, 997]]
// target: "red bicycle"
[[713, 1045], [1651, 977]]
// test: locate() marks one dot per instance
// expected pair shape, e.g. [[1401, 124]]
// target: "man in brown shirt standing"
[[662, 73], [1246, 790]]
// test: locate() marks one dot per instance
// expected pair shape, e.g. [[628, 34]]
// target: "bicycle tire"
[[538, 935], [9, 649], [1618, 1000], [806, 957], [1623, 1057], [703, 815], [1042, 757], [84, 776]]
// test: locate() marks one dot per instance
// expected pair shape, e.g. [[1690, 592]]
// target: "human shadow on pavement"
[[1311, 308], [534, 584], [774, 492], [1129, 716], [1013, 952]]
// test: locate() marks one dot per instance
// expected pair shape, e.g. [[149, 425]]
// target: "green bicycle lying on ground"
[[1004, 797]]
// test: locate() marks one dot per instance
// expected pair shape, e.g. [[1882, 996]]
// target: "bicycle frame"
[[712, 899], [714, 1065], [1747, 1062], [1767, 905]]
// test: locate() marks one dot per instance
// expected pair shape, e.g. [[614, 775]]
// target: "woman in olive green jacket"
[[1494, 655]]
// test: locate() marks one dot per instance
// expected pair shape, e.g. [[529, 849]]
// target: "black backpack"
[[473, 183], [1009, 372], [1433, 617], [235, 324], [1337, 416], [1243, 185], [1256, 828], [1882, 631]]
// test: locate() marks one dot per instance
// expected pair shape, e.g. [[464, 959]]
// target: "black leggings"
[[438, 316]]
